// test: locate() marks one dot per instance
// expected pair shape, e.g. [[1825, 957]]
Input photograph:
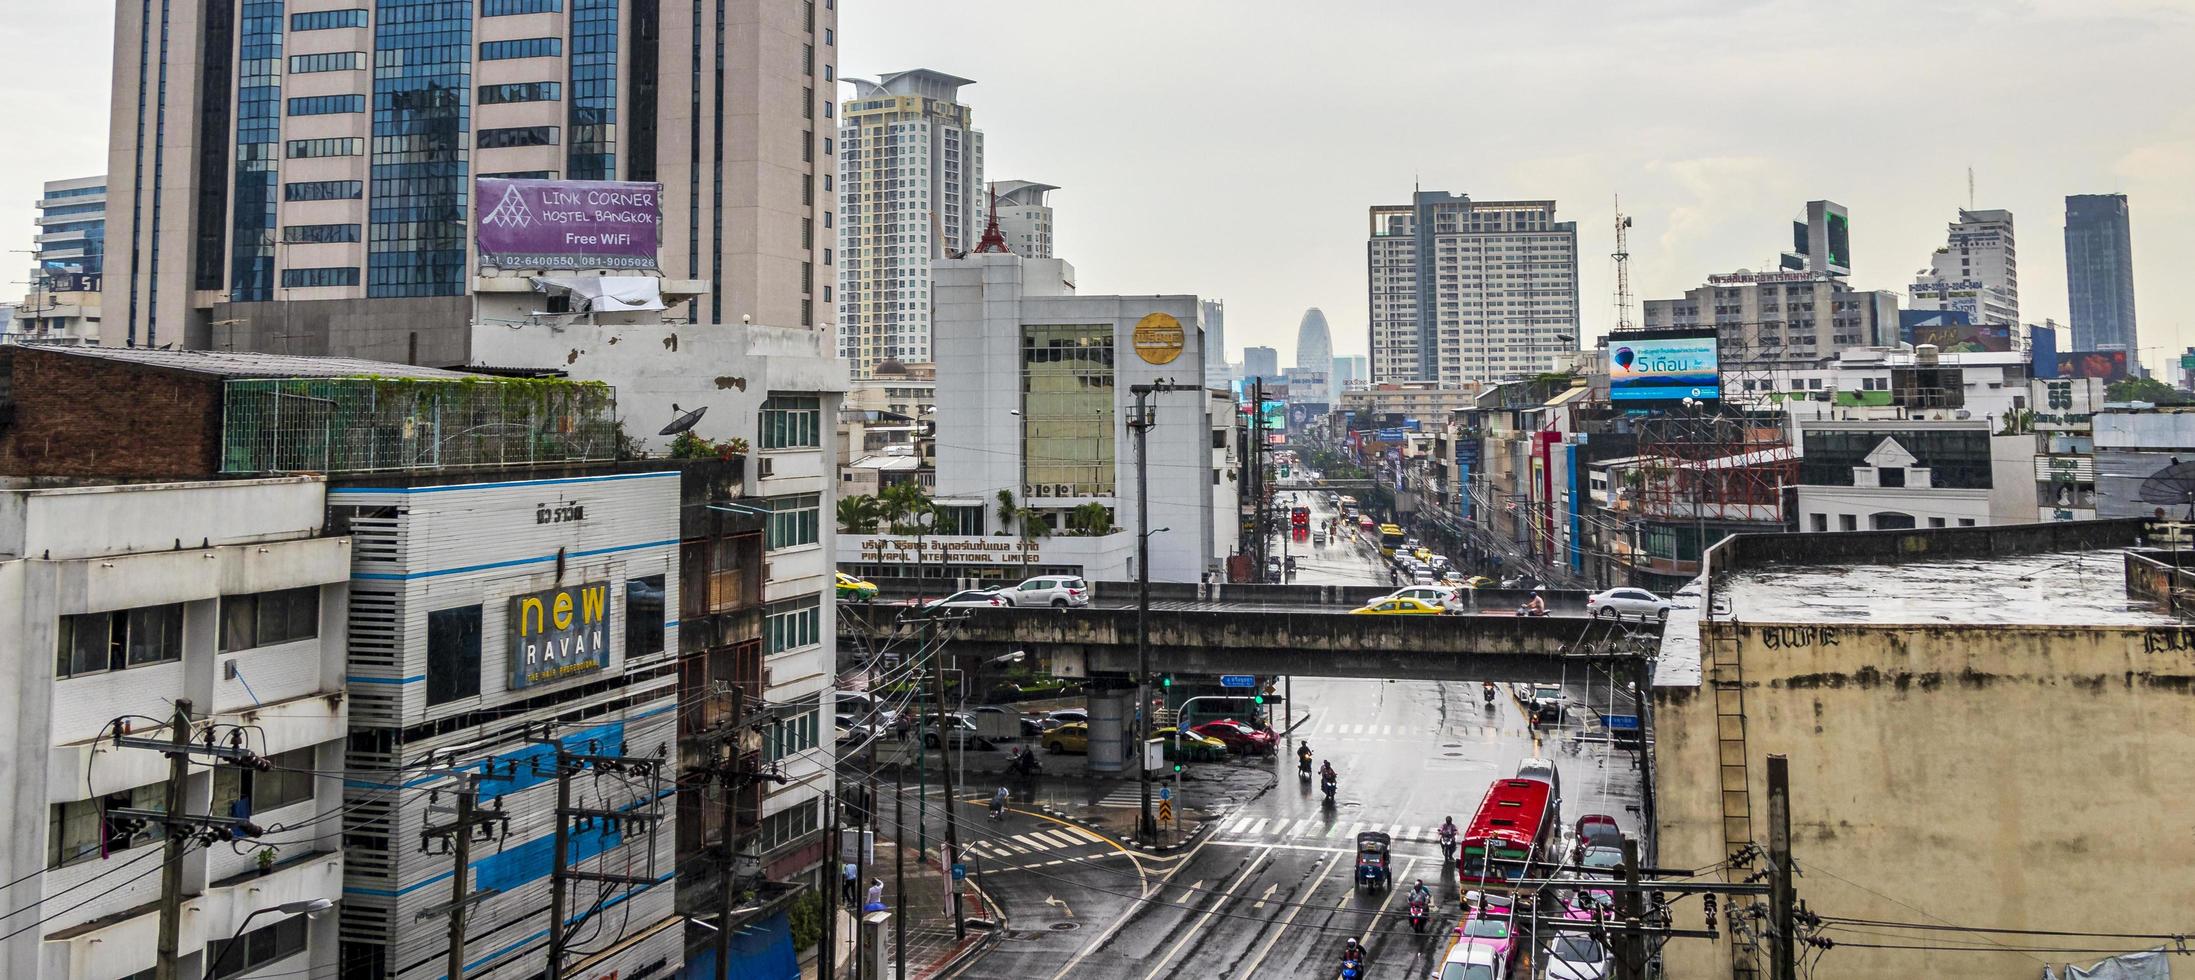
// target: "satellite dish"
[[683, 422], [2175, 484]]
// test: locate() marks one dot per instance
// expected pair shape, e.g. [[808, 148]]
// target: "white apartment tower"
[[910, 171], [1977, 271], [1024, 217], [1465, 290]]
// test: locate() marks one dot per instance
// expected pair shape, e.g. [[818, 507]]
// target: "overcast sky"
[[1229, 148]]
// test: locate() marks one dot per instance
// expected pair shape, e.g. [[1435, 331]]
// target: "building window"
[[1935, 522], [318, 234], [496, 139], [791, 736], [239, 791], [258, 948], [1890, 476], [321, 20], [1067, 410], [263, 619], [324, 190], [453, 654], [500, 8], [643, 616], [332, 61], [1848, 522], [322, 105], [527, 47], [521, 92], [332, 147], [81, 831], [1966, 522], [959, 520], [340, 275], [1821, 522], [790, 625], [790, 422], [98, 642], [794, 520], [787, 825]]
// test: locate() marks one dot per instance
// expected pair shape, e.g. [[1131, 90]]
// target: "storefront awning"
[[606, 294]]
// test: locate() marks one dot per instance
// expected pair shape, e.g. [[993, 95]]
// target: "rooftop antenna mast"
[[1970, 188], [1623, 267]]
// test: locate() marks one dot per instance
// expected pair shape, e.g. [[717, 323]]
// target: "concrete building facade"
[[1977, 272], [1906, 473], [69, 261], [1464, 290], [1767, 318], [1218, 374], [1261, 363], [2099, 272], [1024, 216], [910, 173], [260, 161], [122, 600]]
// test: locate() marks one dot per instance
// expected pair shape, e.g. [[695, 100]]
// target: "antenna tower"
[[1623, 268]]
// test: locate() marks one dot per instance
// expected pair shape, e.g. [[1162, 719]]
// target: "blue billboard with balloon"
[[1663, 366]]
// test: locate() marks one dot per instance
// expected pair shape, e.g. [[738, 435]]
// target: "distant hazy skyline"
[[1230, 149]]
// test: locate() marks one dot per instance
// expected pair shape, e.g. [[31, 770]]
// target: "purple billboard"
[[568, 224]]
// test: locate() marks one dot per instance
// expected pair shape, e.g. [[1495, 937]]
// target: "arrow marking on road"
[[1051, 900], [1293, 909], [1260, 903], [1218, 900]]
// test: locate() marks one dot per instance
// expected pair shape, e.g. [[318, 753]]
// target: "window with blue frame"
[[258, 147], [495, 139], [339, 275], [593, 111], [324, 190], [503, 8], [420, 199], [338, 146], [65, 210], [331, 61], [521, 92], [323, 105], [319, 234], [321, 20], [525, 47]]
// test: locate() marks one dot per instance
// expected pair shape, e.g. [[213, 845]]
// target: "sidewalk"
[[932, 947]]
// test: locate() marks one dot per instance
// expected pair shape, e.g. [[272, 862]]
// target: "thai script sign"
[[559, 633], [568, 224]]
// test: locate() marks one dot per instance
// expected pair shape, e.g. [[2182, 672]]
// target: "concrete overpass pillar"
[[1108, 730]]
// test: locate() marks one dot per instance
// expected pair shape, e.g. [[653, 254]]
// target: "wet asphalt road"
[[1270, 894]]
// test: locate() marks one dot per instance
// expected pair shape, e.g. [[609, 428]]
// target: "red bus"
[[1301, 518], [1511, 829]]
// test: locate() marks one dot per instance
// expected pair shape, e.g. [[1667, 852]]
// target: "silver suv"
[[1048, 590]]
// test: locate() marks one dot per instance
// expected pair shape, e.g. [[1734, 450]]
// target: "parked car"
[[960, 730], [1074, 736], [1049, 590], [1193, 747], [1237, 736], [1472, 961], [1627, 604], [998, 722], [1054, 719], [1439, 595], [856, 589], [863, 705], [967, 598], [1398, 607], [1598, 830]]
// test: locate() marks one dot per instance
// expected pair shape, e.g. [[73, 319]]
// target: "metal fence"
[[355, 425]]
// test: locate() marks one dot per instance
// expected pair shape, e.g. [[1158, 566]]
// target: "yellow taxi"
[[1193, 746], [1073, 736], [850, 587], [1397, 606]]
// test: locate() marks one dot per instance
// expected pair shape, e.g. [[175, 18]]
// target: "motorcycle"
[[1327, 786], [1027, 764], [1419, 914], [1448, 848], [1352, 968], [1303, 767], [1488, 693]]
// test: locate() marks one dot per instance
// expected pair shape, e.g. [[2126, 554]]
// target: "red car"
[[1238, 736]]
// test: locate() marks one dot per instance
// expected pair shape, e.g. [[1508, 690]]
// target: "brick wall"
[[80, 418]]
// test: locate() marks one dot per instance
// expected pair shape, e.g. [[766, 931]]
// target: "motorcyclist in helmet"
[[1420, 893]]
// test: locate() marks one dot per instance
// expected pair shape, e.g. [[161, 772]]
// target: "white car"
[[1636, 604], [1049, 590], [1473, 961], [1577, 956], [968, 598], [1439, 595]]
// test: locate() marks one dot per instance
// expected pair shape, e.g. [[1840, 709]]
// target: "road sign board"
[[1237, 680], [1621, 723], [1165, 793], [1166, 811], [960, 871]]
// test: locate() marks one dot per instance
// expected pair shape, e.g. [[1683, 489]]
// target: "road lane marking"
[[1268, 893], [1259, 827], [1295, 908], [1218, 899]]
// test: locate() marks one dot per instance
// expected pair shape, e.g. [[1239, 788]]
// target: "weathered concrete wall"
[[2011, 777]]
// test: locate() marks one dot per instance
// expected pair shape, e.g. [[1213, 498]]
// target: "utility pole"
[[1147, 824], [727, 813], [1632, 964], [1783, 938], [569, 764], [171, 847], [899, 870], [458, 835], [945, 780], [837, 848]]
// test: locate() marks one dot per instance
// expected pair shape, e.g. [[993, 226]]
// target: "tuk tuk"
[[1373, 860]]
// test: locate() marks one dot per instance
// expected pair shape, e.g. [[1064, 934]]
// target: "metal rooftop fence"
[[362, 425]]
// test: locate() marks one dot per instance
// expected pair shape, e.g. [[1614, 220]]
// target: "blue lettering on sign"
[[1621, 723], [1238, 680]]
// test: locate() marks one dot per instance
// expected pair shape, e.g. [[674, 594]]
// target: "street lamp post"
[[1147, 825], [306, 907]]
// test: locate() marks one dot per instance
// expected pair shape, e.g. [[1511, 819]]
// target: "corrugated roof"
[[252, 364], [1568, 396]]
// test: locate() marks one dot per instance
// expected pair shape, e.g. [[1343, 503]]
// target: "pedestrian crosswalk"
[[1034, 842], [1129, 794], [1413, 732], [1322, 828]]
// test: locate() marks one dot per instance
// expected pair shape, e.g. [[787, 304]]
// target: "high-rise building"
[[1465, 290], [1781, 317], [1217, 373], [1822, 241], [1315, 346], [1260, 363], [1023, 216], [1351, 371], [63, 304], [303, 179], [1977, 272], [2099, 272], [910, 173]]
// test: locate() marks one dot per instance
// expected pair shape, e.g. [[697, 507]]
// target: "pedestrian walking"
[[876, 896], [850, 885]]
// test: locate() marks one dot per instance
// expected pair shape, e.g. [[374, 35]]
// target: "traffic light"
[[1178, 767], [1257, 699], [1166, 680]]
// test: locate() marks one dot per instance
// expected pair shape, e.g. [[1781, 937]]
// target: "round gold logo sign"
[[1158, 338]]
